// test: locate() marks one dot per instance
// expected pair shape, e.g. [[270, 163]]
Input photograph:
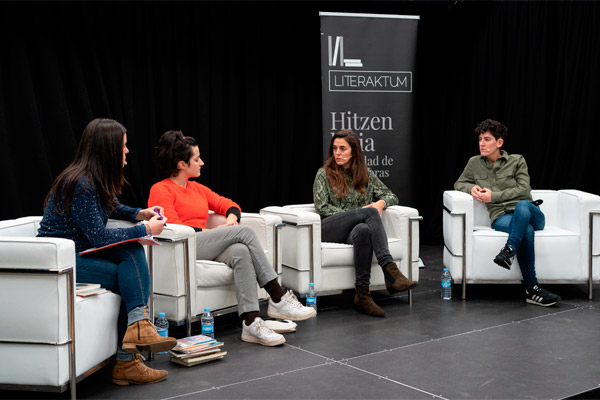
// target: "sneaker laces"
[[263, 329], [292, 300]]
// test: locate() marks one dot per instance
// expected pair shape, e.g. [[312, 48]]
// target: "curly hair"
[[173, 147], [497, 129]]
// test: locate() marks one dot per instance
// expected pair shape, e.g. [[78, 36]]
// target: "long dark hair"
[[99, 158], [358, 168], [173, 147]]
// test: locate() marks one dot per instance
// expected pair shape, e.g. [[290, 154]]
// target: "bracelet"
[[145, 223]]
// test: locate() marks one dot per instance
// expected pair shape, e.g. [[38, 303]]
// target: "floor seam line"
[[578, 308]]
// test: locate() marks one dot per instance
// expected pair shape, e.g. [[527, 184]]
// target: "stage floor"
[[492, 346]]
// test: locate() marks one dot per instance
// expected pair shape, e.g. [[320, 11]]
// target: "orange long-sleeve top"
[[188, 206]]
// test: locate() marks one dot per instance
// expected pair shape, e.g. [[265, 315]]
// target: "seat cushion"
[[340, 254], [557, 254]]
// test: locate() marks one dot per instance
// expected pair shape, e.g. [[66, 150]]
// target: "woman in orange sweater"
[[187, 202]]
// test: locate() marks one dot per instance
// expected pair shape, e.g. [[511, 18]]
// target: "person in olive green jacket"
[[501, 181], [349, 197]]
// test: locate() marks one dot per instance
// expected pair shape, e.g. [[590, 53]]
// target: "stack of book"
[[88, 289], [196, 350]]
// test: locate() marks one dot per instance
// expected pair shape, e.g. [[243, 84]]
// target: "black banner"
[[367, 63]]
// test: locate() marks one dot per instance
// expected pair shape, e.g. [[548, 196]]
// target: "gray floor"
[[493, 346]]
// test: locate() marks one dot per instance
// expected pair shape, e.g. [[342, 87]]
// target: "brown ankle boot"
[[141, 336], [363, 299], [134, 371], [400, 282]]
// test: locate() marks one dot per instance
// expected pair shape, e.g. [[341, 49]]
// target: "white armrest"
[[301, 239], [293, 215], [575, 207], [458, 209], [264, 226], [36, 253], [396, 221]]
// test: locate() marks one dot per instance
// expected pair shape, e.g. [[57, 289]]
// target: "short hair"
[[497, 129], [173, 147]]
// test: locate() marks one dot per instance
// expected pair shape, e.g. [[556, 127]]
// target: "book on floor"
[[213, 348], [188, 362], [193, 342]]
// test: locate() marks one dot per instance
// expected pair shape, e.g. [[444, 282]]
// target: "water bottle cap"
[[311, 284], [206, 309], [161, 314]]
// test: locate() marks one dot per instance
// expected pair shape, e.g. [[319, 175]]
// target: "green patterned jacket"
[[326, 203]]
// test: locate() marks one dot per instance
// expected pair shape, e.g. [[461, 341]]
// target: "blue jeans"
[[363, 229], [123, 270], [521, 225]]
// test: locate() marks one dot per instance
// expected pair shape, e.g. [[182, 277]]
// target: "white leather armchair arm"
[[403, 222], [302, 232]]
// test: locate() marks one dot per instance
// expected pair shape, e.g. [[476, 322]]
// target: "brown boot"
[[363, 299], [400, 283], [134, 371], [141, 336]]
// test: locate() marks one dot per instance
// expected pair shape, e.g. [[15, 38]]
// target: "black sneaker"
[[540, 297], [505, 257]]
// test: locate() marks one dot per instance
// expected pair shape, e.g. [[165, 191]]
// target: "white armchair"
[[566, 251], [330, 266], [52, 338], [184, 286]]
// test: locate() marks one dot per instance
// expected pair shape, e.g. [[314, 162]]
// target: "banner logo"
[[337, 52], [362, 81]]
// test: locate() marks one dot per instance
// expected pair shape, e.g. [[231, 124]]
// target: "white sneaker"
[[289, 308], [281, 325], [258, 332]]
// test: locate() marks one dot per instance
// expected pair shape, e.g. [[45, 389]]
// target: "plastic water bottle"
[[162, 326], [311, 296], [446, 285], [208, 323]]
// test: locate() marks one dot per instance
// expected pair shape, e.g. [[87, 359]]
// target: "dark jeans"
[[363, 229], [123, 270], [521, 226]]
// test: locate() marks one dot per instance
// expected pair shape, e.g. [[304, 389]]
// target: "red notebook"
[[146, 241]]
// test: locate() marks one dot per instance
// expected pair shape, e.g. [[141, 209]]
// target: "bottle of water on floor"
[[162, 326], [208, 323], [311, 296], [446, 285]]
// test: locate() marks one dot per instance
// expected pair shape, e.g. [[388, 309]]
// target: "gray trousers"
[[238, 247]]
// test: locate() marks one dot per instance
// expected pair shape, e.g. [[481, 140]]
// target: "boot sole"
[[392, 290], [125, 382], [136, 348], [358, 307], [540, 304]]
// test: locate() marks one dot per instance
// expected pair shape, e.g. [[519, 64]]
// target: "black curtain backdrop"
[[244, 79]]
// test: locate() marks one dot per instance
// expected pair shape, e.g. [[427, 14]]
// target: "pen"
[[159, 216]]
